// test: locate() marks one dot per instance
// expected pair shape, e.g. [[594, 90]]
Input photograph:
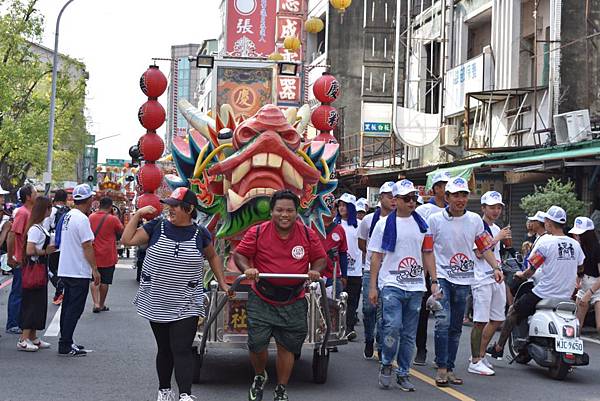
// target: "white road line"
[[54, 327], [592, 340]]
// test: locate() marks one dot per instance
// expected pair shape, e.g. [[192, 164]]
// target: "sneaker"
[[404, 383], [165, 394], [14, 330], [73, 353], [77, 347], [58, 299], [186, 397], [26, 345], [351, 336], [479, 368], [491, 351], [421, 358], [385, 376], [487, 363], [257, 388], [280, 394], [368, 352], [41, 344]]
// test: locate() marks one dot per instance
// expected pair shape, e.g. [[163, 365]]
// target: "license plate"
[[571, 346]]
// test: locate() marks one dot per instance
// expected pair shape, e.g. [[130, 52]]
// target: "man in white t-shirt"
[[489, 296], [560, 257], [362, 207], [403, 238], [365, 230], [438, 201], [454, 231], [76, 267]]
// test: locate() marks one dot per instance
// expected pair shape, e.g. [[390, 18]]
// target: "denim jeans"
[[338, 285], [400, 311], [371, 318], [75, 292], [448, 322], [14, 300]]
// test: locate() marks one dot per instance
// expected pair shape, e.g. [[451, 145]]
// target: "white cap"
[[82, 192], [403, 187], [492, 198], [362, 205], [3, 191], [457, 184], [347, 198], [538, 216], [582, 224], [440, 176], [557, 214], [386, 187]]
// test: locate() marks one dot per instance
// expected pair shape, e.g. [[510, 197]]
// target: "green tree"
[[558, 193], [25, 82]]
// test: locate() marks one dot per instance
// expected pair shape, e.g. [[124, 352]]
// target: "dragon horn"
[[196, 119], [303, 115], [290, 115]]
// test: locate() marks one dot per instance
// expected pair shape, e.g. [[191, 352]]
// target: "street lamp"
[[49, 156]]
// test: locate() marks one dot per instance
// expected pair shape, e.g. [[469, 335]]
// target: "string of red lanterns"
[[151, 115], [325, 118]]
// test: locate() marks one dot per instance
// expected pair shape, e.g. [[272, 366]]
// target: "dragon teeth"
[[235, 201], [259, 160], [291, 176], [240, 171], [274, 160]]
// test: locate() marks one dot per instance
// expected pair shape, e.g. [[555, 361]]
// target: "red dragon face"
[[265, 160]]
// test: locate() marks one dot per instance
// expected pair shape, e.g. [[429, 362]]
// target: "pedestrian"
[[59, 209], [537, 226], [530, 234], [277, 307], [5, 226], [34, 303], [584, 232], [362, 208], [454, 231], [365, 230], [171, 291], [107, 229], [560, 257], [15, 246], [404, 243], [77, 265], [437, 202], [489, 294], [337, 251]]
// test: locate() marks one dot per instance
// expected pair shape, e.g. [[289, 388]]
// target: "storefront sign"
[[250, 28], [288, 89], [473, 76], [245, 89]]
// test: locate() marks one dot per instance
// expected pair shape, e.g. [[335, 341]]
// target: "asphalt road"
[[122, 367]]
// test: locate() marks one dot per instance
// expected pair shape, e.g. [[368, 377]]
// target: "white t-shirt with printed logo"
[[75, 231], [559, 256], [453, 239], [363, 233], [354, 254], [402, 268], [484, 273]]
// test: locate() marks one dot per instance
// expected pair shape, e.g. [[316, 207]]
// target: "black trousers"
[[421, 340], [75, 292], [174, 341], [53, 267], [353, 288]]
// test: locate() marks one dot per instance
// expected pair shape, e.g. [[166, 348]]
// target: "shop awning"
[[526, 157]]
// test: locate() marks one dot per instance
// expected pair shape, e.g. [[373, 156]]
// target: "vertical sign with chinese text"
[[250, 28]]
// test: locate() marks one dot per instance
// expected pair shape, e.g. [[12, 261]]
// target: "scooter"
[[551, 336]]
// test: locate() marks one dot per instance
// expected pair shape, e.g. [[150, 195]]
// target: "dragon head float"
[[234, 165]]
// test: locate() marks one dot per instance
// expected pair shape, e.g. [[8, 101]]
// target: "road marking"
[[54, 327], [592, 340], [451, 392], [6, 283]]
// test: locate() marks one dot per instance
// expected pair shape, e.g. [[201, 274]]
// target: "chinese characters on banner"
[[288, 89], [289, 26], [291, 6], [250, 28]]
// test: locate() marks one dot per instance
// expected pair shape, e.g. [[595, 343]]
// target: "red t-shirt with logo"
[[105, 241], [272, 254], [18, 228], [336, 238]]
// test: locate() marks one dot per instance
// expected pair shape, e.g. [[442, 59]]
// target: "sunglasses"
[[409, 198]]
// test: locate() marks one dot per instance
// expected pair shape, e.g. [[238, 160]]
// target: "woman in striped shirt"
[[171, 289]]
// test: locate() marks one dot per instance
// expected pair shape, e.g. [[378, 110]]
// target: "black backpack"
[[60, 212]]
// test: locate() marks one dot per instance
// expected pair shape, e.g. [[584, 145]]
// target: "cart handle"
[[235, 285]]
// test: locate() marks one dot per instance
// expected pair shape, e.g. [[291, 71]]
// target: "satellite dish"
[[415, 128]]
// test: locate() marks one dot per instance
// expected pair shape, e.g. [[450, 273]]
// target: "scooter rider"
[[560, 257]]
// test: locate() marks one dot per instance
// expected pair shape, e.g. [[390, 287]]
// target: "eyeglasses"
[[409, 198]]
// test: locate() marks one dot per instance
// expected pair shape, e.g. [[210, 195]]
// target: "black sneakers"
[[421, 358], [280, 394], [491, 351], [258, 385], [368, 352]]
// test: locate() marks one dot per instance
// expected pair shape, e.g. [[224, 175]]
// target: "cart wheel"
[[198, 360], [320, 365]]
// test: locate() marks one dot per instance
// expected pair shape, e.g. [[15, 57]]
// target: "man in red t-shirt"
[[277, 307], [15, 245], [107, 228]]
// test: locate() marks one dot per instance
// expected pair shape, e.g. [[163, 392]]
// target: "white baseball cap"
[[557, 214], [403, 187], [387, 187], [440, 176], [538, 216], [82, 192], [582, 224], [3, 191], [362, 205], [347, 198], [492, 198], [457, 184]]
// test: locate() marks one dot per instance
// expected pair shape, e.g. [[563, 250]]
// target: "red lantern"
[[153, 82], [150, 177], [149, 199], [151, 115], [151, 146], [325, 118], [326, 88]]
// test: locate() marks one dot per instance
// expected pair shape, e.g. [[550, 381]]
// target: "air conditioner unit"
[[572, 127], [449, 136]]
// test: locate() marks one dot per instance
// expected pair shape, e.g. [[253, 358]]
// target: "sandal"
[[441, 380], [96, 310], [104, 309], [454, 380]]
